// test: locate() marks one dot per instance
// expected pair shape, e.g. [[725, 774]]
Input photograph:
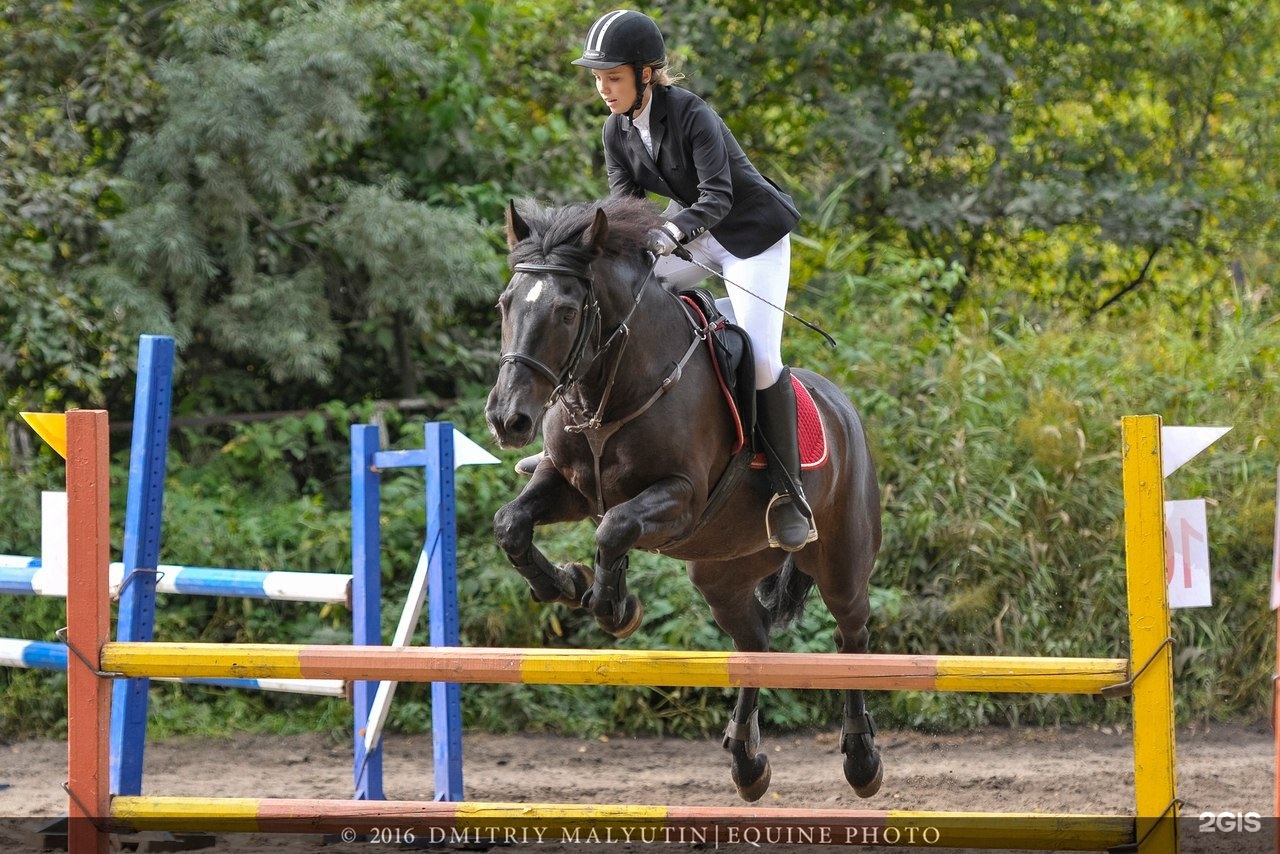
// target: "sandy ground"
[[1221, 769]]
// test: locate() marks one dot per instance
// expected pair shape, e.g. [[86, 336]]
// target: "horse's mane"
[[556, 233]]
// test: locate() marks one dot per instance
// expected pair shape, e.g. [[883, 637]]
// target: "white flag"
[[468, 453], [1180, 444]]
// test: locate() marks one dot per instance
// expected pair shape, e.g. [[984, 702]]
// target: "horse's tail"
[[784, 593]]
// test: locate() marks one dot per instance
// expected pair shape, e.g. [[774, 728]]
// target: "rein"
[[598, 434], [595, 430]]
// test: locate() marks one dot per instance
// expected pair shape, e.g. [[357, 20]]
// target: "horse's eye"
[[568, 316]]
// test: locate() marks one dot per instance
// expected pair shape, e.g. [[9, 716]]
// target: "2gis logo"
[[1230, 822]]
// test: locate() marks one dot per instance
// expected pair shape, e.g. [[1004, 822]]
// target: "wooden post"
[[366, 600], [1150, 651], [140, 553], [88, 628]]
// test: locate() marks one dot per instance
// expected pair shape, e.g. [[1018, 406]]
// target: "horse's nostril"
[[518, 423]]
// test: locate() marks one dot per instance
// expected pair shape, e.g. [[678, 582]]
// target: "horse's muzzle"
[[514, 418]]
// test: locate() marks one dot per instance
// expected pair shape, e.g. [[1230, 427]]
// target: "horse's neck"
[[635, 364]]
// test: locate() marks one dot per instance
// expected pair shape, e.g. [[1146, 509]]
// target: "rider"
[[664, 139]]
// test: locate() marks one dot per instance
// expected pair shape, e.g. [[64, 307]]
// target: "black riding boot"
[[789, 521], [529, 465]]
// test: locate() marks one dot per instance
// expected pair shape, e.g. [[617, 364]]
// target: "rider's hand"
[[660, 242]]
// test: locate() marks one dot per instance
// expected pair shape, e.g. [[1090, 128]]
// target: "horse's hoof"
[[627, 625], [863, 789], [582, 576], [761, 774]]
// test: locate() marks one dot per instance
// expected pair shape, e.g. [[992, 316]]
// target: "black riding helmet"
[[623, 37]]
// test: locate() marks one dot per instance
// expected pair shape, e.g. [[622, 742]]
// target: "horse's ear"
[[594, 237], [517, 229]]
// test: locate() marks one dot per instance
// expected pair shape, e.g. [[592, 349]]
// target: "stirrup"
[[774, 542]]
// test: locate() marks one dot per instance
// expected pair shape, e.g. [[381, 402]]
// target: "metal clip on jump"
[[1125, 688]]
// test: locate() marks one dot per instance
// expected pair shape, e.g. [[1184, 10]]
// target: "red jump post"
[[88, 627]]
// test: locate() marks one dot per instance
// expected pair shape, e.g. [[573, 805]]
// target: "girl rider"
[[664, 139]]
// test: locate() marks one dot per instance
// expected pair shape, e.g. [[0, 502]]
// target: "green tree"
[[255, 222], [1070, 152], [74, 86]]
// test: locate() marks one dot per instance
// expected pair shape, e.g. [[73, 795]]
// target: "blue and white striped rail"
[[23, 576], [37, 655], [46, 655]]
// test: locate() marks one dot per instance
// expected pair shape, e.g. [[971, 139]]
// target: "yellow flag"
[[52, 427]]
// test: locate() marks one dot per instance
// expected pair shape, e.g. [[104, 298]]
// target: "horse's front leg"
[[547, 498], [661, 512]]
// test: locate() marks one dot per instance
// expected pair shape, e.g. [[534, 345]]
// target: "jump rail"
[[1146, 675], [47, 655], [518, 823], [656, 668], [26, 579]]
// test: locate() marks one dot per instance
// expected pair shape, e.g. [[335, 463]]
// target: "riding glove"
[[663, 241]]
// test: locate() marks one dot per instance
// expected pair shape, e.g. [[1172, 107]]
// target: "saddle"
[[731, 356], [730, 350]]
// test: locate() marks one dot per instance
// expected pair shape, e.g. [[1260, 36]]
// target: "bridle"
[[593, 426], [588, 323]]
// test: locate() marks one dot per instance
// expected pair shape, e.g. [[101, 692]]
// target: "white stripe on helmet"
[[595, 37]]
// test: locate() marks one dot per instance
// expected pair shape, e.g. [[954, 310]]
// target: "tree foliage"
[[1074, 151], [1020, 219]]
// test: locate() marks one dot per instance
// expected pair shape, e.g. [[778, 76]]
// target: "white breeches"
[[764, 279]]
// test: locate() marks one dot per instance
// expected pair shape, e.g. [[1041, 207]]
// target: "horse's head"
[[550, 316]]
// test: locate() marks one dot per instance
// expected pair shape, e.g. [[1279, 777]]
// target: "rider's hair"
[[663, 74]]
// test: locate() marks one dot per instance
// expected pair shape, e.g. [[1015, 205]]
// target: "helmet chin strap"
[[641, 86]]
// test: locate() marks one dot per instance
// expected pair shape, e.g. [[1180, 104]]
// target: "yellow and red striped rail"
[[517, 823], [658, 668]]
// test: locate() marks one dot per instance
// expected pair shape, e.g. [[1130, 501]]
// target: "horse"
[[611, 365]]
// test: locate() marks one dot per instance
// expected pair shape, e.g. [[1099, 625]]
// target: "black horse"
[[612, 366]]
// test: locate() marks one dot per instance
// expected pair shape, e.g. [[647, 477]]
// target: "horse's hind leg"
[[862, 766], [748, 767], [851, 609], [729, 589]]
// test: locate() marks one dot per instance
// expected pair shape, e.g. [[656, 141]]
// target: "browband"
[[552, 268]]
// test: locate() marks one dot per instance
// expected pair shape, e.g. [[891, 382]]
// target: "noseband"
[[590, 320]]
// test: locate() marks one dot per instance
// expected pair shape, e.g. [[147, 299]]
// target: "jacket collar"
[[657, 123], [658, 118]]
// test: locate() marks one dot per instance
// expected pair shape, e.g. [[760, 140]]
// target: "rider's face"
[[617, 86]]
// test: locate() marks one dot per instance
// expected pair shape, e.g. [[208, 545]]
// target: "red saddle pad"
[[813, 439]]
